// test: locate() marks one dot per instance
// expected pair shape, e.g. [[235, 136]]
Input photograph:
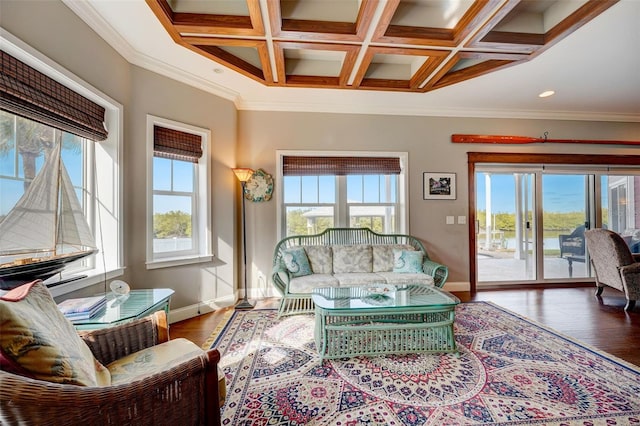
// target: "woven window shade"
[[339, 166], [176, 145], [28, 93]]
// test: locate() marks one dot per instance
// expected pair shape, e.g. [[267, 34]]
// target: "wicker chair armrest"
[[112, 343], [438, 271], [280, 277], [180, 395]]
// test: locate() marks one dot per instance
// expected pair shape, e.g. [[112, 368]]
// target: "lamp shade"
[[243, 174]]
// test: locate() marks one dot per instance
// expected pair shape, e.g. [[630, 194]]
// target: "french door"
[[505, 225], [530, 221]]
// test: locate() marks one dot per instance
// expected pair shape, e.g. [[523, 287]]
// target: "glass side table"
[[120, 309]]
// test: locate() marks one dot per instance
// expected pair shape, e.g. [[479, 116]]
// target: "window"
[[178, 212], [327, 189], [93, 167]]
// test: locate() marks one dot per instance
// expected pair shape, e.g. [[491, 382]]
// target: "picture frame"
[[439, 186]]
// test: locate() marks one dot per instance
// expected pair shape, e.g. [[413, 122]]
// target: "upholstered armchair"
[[130, 374], [614, 265]]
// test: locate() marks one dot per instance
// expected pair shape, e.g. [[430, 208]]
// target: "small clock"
[[259, 187]]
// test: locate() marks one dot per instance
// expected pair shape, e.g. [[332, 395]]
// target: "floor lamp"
[[243, 175]]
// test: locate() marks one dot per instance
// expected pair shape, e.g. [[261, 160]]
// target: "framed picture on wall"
[[439, 186]]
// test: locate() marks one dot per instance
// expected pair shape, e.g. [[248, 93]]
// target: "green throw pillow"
[[297, 262], [407, 261]]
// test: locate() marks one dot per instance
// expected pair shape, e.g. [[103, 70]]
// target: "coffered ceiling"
[[395, 45], [462, 58]]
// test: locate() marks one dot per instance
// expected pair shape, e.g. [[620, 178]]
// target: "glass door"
[[566, 213], [505, 226], [530, 218]]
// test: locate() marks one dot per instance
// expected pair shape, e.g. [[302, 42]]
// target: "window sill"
[[77, 281], [178, 261]]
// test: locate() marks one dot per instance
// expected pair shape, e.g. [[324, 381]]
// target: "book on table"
[[82, 307]]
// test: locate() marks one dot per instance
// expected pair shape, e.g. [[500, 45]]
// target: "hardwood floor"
[[574, 312]]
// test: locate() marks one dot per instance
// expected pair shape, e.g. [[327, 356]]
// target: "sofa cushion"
[[383, 256], [352, 258], [358, 278], [406, 278], [296, 261], [406, 261], [155, 359], [39, 342], [308, 283], [320, 258]]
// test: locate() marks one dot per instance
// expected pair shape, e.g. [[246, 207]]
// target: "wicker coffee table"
[[383, 319]]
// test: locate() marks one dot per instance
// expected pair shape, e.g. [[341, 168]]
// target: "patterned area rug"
[[509, 371]]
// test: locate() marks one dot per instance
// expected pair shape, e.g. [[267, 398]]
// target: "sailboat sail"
[[46, 222], [73, 230]]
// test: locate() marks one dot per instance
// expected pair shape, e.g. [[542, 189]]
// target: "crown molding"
[[97, 23], [345, 108]]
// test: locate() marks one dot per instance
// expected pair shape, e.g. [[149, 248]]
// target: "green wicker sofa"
[[332, 255]]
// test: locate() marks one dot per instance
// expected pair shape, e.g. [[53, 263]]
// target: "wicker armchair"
[[186, 394], [614, 265]]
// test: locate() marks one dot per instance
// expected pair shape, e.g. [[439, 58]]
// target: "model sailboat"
[[45, 230]]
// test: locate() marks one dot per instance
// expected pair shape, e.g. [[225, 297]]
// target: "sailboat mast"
[[56, 224]]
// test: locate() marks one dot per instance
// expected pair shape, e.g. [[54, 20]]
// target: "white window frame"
[[341, 203], [201, 211], [104, 208]]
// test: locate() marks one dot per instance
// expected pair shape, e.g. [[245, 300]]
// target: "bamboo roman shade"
[[339, 166], [176, 145], [27, 92]]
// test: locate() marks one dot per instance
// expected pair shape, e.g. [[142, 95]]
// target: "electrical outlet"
[[450, 220], [462, 220]]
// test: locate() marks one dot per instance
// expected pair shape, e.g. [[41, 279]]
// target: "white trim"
[[97, 23], [204, 307], [342, 107], [177, 261], [203, 250], [457, 286]]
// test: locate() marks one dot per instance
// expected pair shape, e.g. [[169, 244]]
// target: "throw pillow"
[[320, 258], [296, 261], [406, 261], [383, 256], [39, 342], [352, 258]]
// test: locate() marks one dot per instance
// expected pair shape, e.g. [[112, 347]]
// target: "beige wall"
[[166, 98], [253, 137], [428, 142], [55, 31]]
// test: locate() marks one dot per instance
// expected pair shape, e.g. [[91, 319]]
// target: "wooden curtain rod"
[[495, 139]]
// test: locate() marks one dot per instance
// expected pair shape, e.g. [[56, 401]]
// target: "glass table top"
[[129, 306], [382, 295]]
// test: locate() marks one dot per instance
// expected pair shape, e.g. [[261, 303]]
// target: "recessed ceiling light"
[[546, 94], [218, 70]]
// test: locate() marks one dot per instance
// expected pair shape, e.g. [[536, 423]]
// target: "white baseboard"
[[457, 286], [203, 307]]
